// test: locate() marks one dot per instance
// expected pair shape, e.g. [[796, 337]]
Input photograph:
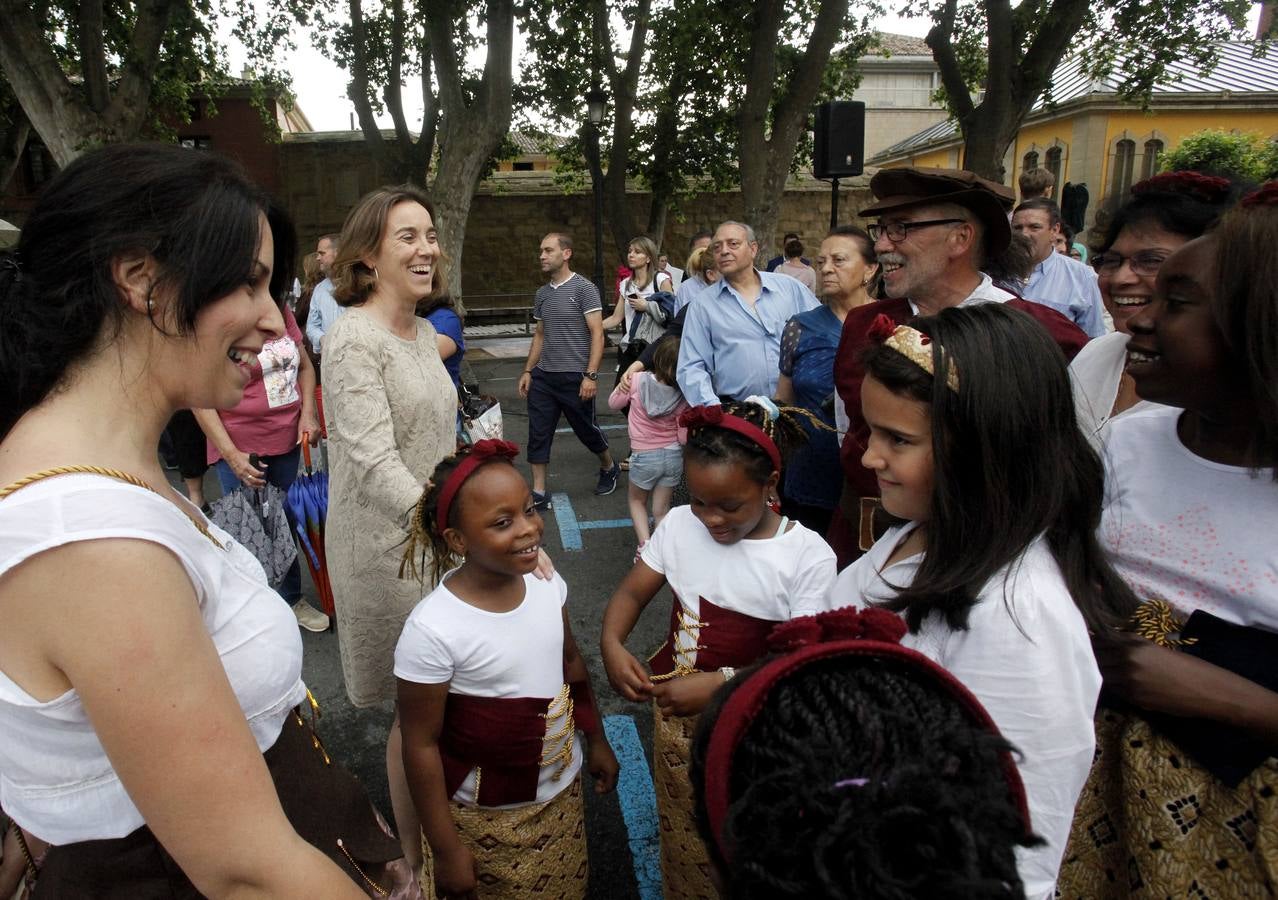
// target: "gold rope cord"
[[108, 473], [560, 708], [686, 624], [1156, 621]]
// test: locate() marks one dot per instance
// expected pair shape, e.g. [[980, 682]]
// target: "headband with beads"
[[701, 416], [914, 345]]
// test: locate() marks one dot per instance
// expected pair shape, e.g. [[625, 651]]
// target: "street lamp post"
[[596, 107]]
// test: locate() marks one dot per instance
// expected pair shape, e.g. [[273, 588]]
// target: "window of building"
[[1054, 166], [523, 167], [1121, 172], [38, 164], [196, 142], [1153, 156], [1029, 161]]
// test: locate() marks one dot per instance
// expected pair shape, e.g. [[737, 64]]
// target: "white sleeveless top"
[[55, 778]]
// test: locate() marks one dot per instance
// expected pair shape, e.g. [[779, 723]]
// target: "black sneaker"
[[607, 480], [541, 501]]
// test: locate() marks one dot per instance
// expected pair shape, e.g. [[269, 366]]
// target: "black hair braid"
[[424, 534], [708, 443], [934, 818]]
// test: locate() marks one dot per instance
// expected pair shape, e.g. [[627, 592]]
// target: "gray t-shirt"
[[562, 313]]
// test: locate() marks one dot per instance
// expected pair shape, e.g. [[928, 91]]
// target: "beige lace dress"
[[390, 409]]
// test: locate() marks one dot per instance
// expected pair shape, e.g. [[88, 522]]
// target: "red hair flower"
[[1267, 195], [881, 328], [838, 625], [1207, 188], [698, 416]]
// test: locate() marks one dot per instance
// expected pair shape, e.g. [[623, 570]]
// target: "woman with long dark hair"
[[997, 571], [151, 701]]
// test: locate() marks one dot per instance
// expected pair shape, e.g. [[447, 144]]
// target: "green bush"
[[1213, 151]]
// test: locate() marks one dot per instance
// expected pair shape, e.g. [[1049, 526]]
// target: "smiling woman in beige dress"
[[391, 411]]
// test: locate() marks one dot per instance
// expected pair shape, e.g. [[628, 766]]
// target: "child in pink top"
[[656, 461]]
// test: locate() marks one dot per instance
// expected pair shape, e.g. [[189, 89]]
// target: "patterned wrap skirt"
[[1152, 823], [685, 862], [537, 850]]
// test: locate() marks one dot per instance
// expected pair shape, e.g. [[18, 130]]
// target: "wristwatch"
[[593, 376]]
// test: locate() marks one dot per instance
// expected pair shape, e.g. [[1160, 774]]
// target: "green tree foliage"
[[460, 54], [718, 89], [997, 58], [1246, 156], [90, 73]]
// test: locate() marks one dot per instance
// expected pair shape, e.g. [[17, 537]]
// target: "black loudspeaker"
[[839, 139]]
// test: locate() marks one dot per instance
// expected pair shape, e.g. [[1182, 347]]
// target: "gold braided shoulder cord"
[[106, 473], [686, 624], [560, 707], [1156, 621]]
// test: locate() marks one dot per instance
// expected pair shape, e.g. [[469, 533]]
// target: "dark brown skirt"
[[324, 803]]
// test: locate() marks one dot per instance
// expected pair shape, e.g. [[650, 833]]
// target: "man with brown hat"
[[935, 228]]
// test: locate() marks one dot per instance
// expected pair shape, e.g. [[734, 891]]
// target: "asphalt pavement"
[[592, 544]]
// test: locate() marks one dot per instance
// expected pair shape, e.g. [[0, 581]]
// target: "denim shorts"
[[656, 468]]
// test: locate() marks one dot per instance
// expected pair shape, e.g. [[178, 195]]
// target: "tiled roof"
[[534, 143], [900, 45], [1239, 71]]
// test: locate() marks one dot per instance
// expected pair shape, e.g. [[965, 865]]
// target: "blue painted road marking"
[[638, 804], [570, 528]]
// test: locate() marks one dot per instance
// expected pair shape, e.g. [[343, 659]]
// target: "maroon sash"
[[503, 737], [726, 638]]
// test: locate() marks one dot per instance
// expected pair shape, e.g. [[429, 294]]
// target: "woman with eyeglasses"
[[1163, 213]]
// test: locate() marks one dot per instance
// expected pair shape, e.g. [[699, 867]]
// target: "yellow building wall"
[[1171, 127], [1040, 137], [944, 158]]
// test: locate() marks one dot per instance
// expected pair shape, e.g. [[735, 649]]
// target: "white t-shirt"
[[1027, 658], [775, 579], [1195, 533], [55, 778], [485, 654], [1094, 376], [628, 287]]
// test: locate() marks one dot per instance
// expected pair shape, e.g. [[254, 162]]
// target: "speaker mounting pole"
[[834, 203]]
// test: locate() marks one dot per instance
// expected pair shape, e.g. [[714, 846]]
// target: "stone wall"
[[513, 210]]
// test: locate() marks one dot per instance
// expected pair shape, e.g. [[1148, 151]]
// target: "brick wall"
[[513, 210]]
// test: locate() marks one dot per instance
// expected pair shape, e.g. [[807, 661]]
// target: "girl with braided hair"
[[846, 766], [492, 691], [997, 570], [736, 568]]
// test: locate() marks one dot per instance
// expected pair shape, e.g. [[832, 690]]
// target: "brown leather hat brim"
[[986, 206]]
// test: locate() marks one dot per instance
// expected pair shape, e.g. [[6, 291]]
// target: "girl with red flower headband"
[[996, 570], [1184, 795], [736, 568], [492, 691]]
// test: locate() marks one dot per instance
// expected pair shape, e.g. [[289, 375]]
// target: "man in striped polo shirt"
[[562, 370]]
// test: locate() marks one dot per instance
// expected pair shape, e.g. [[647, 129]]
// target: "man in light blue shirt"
[[1066, 285], [731, 343], [324, 309]]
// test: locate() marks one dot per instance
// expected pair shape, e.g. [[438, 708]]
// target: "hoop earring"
[[150, 305], [375, 273]]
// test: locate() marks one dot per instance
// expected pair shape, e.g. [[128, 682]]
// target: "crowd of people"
[[971, 588]]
